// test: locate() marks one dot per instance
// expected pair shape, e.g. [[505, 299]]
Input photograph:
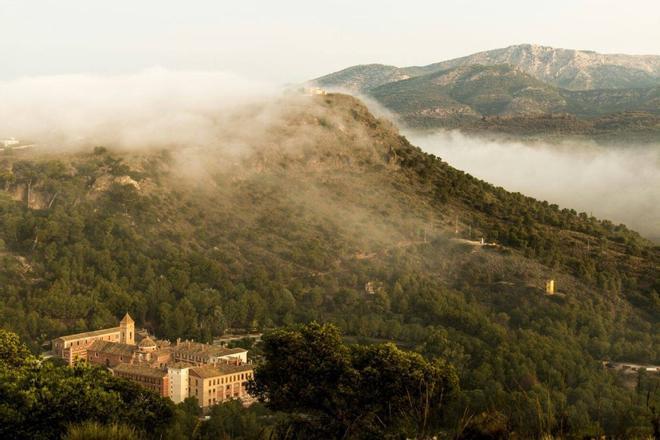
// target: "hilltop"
[[327, 213]]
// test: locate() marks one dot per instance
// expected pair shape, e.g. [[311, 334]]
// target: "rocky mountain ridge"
[[566, 68]]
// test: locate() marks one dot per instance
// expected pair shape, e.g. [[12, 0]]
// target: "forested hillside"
[[315, 210]]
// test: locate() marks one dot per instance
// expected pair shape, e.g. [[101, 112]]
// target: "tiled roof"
[[147, 342], [205, 371], [208, 371], [180, 365], [231, 368], [113, 348], [139, 370], [89, 334], [204, 350], [127, 319]]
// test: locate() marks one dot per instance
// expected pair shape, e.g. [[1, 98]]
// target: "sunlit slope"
[[566, 68], [320, 206]]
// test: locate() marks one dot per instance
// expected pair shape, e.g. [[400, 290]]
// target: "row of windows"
[[85, 341], [142, 379], [96, 354], [192, 358], [230, 379], [228, 389]]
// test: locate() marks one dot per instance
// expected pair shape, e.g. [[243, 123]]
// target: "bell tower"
[[127, 330]]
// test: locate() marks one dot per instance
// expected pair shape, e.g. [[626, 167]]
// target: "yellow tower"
[[550, 287], [127, 330]]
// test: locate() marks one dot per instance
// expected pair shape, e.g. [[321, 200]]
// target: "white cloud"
[[621, 183], [155, 107]]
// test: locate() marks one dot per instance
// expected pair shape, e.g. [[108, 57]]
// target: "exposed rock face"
[[104, 182], [567, 68], [34, 198]]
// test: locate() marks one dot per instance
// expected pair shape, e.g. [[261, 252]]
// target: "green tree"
[[40, 399], [337, 390]]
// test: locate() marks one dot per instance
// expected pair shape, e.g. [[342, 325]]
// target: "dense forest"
[[332, 216]]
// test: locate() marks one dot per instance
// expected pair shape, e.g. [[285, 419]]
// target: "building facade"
[[151, 378], [127, 330], [178, 375], [110, 354], [213, 384], [211, 374], [203, 354], [74, 348]]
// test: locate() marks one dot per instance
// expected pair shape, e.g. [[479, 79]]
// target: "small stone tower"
[[127, 330], [550, 287]]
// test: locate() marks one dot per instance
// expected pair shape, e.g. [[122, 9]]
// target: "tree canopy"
[[41, 399], [342, 390]]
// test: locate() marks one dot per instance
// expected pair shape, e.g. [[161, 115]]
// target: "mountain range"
[[565, 68], [602, 96]]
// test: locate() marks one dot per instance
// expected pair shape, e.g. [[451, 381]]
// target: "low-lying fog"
[[158, 108], [152, 108], [621, 184]]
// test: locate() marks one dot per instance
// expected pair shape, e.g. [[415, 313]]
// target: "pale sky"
[[293, 40]]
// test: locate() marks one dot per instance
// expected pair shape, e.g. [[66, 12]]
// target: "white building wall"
[[230, 357], [178, 379]]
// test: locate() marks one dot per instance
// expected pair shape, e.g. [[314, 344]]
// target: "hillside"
[[533, 92], [470, 91], [310, 208], [469, 97], [360, 78], [565, 68]]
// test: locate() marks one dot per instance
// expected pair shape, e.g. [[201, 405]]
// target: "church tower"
[[127, 330]]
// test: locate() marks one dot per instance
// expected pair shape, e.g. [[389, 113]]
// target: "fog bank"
[[621, 184], [151, 108]]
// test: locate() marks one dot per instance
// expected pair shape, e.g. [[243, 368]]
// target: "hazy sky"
[[293, 40]]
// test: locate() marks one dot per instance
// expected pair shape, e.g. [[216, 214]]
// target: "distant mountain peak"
[[567, 68]]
